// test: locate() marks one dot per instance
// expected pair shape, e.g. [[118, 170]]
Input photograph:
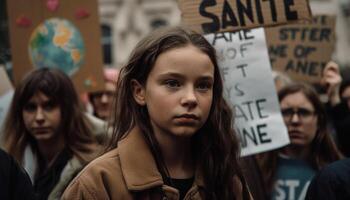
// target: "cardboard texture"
[[302, 50], [26, 15], [5, 83], [230, 15]]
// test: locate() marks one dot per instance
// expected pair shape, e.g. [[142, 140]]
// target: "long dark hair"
[[215, 145], [323, 148], [59, 88]]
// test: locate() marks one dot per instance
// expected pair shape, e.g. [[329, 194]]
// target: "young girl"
[[173, 136], [45, 117], [287, 172]]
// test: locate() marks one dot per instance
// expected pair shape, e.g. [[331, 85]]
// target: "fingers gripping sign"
[[331, 80]]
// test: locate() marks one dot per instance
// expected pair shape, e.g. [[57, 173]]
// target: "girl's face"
[[178, 92], [41, 117], [300, 117]]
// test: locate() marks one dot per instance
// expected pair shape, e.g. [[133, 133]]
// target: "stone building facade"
[[125, 22]]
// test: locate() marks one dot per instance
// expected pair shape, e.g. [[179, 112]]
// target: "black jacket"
[[14, 181], [332, 182]]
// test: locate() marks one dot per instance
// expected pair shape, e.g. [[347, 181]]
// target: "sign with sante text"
[[302, 50], [57, 34], [209, 16], [249, 87]]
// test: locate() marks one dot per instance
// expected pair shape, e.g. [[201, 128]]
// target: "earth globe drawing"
[[57, 43]]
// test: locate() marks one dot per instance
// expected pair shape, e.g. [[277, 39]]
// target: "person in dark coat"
[[14, 181], [333, 182]]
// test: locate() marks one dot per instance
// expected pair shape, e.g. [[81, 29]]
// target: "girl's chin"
[[298, 142], [185, 132]]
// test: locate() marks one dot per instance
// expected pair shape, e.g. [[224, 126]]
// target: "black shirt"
[[183, 185], [46, 181]]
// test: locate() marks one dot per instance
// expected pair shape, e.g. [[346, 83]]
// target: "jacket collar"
[[138, 165]]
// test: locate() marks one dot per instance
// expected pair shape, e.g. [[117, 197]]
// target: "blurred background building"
[[125, 22]]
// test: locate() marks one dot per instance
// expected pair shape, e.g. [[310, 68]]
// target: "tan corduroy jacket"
[[129, 172]]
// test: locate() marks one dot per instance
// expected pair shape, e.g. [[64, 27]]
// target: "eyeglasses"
[[303, 114], [100, 94]]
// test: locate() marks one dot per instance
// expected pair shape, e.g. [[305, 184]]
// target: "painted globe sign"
[[57, 43]]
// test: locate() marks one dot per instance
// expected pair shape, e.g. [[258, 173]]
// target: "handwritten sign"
[[57, 34], [209, 16], [302, 50], [249, 87]]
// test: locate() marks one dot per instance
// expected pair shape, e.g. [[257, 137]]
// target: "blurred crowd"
[[53, 138]]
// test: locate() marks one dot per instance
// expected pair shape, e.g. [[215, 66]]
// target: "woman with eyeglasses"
[[102, 101], [287, 171]]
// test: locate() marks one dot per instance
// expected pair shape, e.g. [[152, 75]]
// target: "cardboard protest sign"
[[6, 93], [227, 15], [57, 34], [302, 50], [249, 87]]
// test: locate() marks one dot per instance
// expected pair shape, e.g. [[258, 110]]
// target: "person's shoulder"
[[106, 163], [333, 174], [332, 182], [14, 181], [97, 178], [4, 157], [338, 168], [9, 165]]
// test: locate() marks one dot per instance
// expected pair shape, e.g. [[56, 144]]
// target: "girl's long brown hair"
[[323, 148], [215, 145], [59, 88]]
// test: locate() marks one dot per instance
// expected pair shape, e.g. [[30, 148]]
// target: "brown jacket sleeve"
[[101, 179], [78, 191]]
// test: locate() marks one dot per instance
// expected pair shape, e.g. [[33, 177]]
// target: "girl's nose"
[[189, 99], [39, 116]]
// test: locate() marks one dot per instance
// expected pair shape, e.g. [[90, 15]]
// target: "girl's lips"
[[187, 119], [294, 131], [40, 130], [184, 120], [188, 116], [295, 134]]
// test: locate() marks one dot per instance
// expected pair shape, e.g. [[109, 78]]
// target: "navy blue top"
[[292, 179]]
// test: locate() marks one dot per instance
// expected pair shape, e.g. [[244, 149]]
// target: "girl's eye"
[[172, 83], [30, 107], [204, 86], [49, 105]]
